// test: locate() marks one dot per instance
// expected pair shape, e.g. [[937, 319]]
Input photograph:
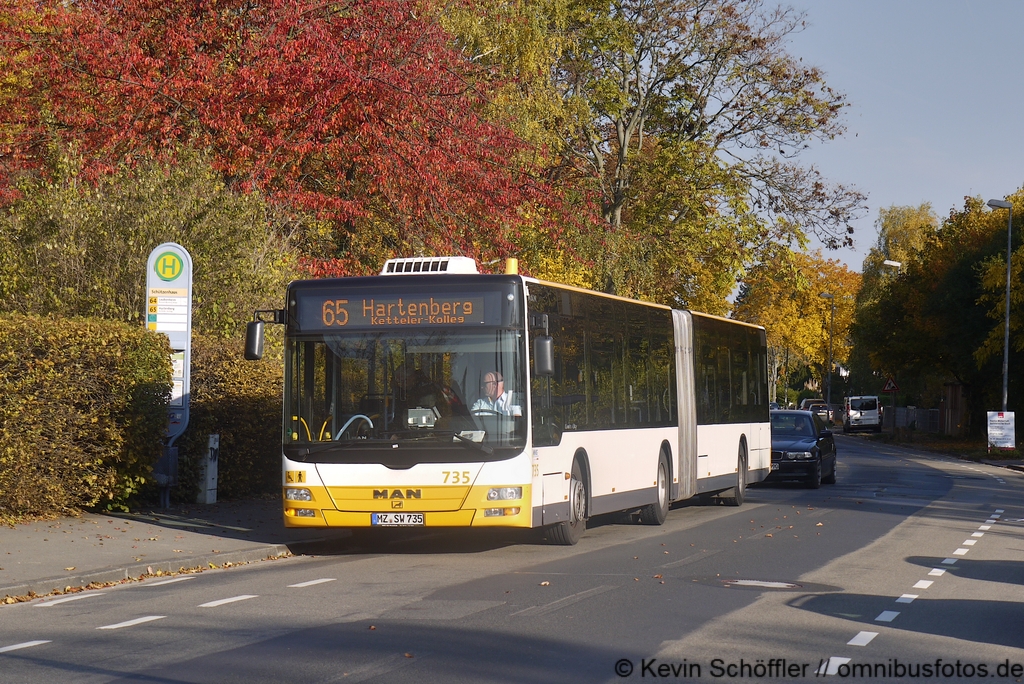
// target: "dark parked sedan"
[[802, 448]]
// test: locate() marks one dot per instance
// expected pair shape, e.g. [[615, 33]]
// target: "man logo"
[[397, 503], [398, 494]]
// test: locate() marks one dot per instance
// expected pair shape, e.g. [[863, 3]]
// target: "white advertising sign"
[[1001, 433]]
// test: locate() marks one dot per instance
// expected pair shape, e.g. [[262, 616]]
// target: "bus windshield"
[[405, 396]]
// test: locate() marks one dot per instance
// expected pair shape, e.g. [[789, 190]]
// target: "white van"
[[862, 413]]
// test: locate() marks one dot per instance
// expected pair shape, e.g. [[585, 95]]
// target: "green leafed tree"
[[73, 248], [927, 323], [705, 92]]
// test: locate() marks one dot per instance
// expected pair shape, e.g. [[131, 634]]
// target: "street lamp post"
[[828, 382], [1003, 204]]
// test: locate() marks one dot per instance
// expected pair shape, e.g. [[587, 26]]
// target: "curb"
[[118, 574]]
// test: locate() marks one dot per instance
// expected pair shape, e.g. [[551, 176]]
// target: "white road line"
[[311, 582], [995, 515], [999, 510], [949, 561], [978, 534], [887, 616], [969, 542], [985, 527], [991, 522], [168, 581], [906, 598], [132, 623], [936, 572], [923, 584], [831, 666], [960, 552], [77, 597], [24, 644], [221, 602], [862, 639]]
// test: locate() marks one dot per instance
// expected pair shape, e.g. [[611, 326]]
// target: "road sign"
[[890, 385], [169, 311]]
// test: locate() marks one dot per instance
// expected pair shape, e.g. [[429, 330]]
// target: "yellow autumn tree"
[[784, 295]]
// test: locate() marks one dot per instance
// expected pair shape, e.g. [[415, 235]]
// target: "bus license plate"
[[396, 519], [775, 466]]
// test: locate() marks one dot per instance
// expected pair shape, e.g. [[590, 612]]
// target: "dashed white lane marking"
[[831, 666], [969, 542], [995, 516], [991, 522], [960, 552], [985, 527], [923, 584], [311, 582], [862, 639], [221, 602], [936, 572], [887, 616], [132, 623], [906, 598], [77, 597], [978, 534], [1000, 510], [18, 647], [169, 581]]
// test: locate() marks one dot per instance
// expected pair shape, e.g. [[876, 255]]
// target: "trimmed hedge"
[[241, 401], [83, 413]]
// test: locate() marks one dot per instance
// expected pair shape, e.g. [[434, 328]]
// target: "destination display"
[[329, 312]]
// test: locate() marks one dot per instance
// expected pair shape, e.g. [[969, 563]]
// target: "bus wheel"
[[735, 496], [570, 531], [655, 513]]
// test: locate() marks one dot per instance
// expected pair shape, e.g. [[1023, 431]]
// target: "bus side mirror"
[[254, 341], [544, 356]]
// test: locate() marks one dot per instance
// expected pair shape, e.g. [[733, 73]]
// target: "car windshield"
[[792, 424]]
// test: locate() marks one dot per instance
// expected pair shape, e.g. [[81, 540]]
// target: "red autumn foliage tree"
[[359, 112]]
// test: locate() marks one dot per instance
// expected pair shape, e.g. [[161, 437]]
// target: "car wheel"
[[831, 479], [814, 479]]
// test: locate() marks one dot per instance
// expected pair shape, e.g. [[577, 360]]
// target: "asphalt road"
[[910, 560]]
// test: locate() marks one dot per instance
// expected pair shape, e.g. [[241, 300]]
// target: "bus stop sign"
[[169, 311]]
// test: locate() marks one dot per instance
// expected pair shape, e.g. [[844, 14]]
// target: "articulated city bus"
[[432, 395]]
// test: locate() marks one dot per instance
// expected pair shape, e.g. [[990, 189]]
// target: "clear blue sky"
[[936, 95]]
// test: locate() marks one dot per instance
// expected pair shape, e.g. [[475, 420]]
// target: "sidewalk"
[[52, 555]]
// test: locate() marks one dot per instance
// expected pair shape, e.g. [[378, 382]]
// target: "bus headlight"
[[500, 512], [504, 493], [297, 494]]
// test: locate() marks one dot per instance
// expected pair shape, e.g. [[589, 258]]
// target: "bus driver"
[[496, 399]]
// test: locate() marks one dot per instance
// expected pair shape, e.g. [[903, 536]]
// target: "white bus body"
[[641, 405]]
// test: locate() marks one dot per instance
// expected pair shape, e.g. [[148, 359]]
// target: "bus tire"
[[735, 496], [655, 513], [568, 532]]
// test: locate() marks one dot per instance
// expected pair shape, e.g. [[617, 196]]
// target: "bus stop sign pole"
[[169, 311]]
